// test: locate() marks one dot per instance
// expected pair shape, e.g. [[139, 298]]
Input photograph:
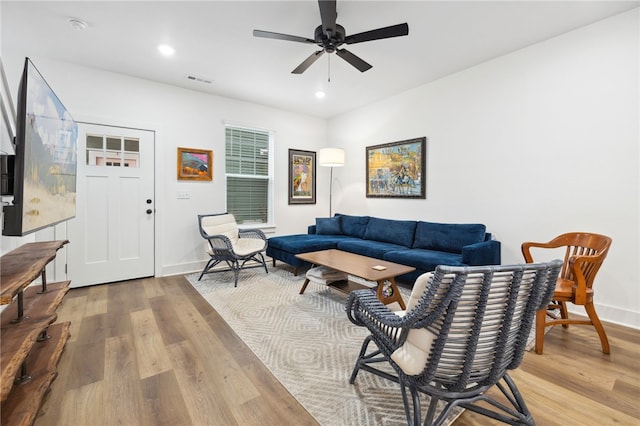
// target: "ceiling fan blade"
[[278, 36], [360, 64], [307, 62], [380, 33], [328, 15]]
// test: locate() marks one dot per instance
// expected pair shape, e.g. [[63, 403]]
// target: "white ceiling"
[[214, 41]]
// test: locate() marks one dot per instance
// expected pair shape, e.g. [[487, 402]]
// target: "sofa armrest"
[[484, 253], [311, 229]]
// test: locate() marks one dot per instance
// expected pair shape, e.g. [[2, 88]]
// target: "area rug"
[[307, 342]]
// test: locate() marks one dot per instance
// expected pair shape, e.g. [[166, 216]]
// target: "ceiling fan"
[[330, 36]]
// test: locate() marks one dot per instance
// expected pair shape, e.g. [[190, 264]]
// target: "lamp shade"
[[331, 157]]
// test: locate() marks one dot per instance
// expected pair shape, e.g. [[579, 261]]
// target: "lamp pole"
[[330, 189], [331, 157]]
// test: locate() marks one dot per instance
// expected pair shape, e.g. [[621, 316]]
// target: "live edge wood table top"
[[362, 267]]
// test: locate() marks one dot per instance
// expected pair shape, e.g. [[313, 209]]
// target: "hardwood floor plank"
[[172, 331], [223, 369], [163, 400], [123, 297], [203, 398], [150, 351], [84, 405], [97, 300], [86, 366], [72, 310], [123, 388], [151, 288], [276, 407]]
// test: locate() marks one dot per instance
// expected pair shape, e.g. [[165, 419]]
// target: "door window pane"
[[107, 151]]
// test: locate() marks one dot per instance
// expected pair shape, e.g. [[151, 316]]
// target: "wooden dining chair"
[[584, 254]]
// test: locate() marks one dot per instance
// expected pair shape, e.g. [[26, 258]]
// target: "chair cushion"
[[328, 225], [222, 224], [247, 246], [398, 232], [412, 357], [450, 237]]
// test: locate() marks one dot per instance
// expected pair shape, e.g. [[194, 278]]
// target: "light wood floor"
[[153, 352]]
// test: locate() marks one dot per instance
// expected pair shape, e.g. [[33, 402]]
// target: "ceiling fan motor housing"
[[331, 40]]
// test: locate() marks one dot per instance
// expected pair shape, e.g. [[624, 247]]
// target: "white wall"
[[533, 144], [180, 118]]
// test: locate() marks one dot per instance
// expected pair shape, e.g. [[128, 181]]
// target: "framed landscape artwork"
[[195, 164], [302, 177], [397, 169]]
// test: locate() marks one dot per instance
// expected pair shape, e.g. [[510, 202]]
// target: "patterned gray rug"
[[307, 342]]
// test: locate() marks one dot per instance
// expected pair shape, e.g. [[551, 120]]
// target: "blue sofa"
[[423, 245]]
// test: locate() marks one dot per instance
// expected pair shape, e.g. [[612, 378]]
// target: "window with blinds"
[[247, 174]]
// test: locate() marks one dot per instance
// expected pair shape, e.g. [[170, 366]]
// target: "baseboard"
[[611, 314]]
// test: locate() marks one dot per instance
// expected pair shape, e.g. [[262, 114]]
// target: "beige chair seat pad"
[[246, 246]]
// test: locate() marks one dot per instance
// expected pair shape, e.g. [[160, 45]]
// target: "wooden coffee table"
[[362, 267]]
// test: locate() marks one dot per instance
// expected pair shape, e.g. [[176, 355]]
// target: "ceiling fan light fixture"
[[330, 36], [320, 94]]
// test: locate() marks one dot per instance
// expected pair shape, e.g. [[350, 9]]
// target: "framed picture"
[[397, 169], [195, 164], [302, 177]]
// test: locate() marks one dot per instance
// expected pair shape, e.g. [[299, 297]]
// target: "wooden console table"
[[30, 347]]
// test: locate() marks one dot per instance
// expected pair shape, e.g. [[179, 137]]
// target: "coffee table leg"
[[304, 286], [395, 293], [306, 282]]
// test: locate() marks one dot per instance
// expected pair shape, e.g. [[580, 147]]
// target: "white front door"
[[112, 236]]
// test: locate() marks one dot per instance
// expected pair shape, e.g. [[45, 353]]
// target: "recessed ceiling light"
[[77, 24], [320, 94], [166, 50]]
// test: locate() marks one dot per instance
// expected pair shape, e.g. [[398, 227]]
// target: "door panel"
[[112, 236]]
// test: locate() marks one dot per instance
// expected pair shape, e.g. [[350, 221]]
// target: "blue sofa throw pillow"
[[353, 226], [450, 237], [328, 226], [391, 231]]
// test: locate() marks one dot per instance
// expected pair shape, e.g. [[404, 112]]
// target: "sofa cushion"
[[447, 236], [425, 260], [375, 249], [328, 225], [303, 243], [353, 226], [391, 231]]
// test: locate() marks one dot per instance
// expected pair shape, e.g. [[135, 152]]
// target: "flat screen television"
[[44, 184]]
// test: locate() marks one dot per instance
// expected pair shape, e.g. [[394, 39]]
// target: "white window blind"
[[247, 174]]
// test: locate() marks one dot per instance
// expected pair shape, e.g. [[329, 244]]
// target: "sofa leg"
[[274, 262]]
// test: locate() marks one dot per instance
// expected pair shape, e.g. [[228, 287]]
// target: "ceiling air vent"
[[199, 79]]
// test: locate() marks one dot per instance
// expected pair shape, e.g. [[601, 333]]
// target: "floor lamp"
[[331, 157]]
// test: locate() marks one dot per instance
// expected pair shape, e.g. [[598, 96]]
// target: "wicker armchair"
[[226, 243], [464, 327]]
